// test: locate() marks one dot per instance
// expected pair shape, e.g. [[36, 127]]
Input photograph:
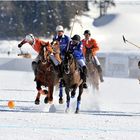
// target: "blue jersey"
[[64, 42], [76, 50]]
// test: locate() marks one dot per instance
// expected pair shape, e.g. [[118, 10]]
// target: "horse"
[[46, 76], [93, 74], [72, 80]]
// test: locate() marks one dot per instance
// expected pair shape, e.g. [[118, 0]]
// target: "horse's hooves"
[[77, 111], [46, 100], [50, 102], [37, 102], [61, 101], [67, 110], [72, 96]]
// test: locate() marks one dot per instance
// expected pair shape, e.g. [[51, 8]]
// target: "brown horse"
[[93, 74], [46, 76], [72, 80]]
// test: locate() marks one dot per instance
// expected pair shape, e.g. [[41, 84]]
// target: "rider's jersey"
[[64, 42], [38, 45], [90, 44], [76, 50]]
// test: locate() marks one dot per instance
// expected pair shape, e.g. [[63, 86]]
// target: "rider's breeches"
[[95, 60], [54, 60], [82, 65], [81, 62], [57, 57]]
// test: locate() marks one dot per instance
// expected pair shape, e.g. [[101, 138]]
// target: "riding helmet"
[[87, 32], [30, 38], [76, 37], [59, 28]]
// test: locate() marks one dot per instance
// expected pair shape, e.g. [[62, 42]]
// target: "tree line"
[[18, 18]]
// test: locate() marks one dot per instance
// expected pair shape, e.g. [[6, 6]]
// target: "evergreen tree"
[[18, 18]]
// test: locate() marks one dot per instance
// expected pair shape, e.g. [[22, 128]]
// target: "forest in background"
[[18, 18]]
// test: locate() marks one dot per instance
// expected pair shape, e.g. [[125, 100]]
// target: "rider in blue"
[[75, 47], [64, 43]]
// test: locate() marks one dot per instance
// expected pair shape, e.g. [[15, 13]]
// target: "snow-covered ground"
[[113, 113]]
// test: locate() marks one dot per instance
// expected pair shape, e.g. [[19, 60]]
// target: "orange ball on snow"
[[11, 104]]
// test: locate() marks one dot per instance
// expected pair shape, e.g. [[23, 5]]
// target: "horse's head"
[[88, 55], [55, 45], [68, 63], [44, 55]]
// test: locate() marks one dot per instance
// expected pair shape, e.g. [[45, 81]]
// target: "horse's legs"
[[38, 87], [49, 97], [79, 98], [37, 100], [60, 93], [73, 91], [67, 90]]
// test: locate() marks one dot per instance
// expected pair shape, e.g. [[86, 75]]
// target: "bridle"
[[68, 61]]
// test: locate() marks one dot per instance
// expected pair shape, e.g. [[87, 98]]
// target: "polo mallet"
[[72, 28], [25, 55], [73, 23], [133, 45], [21, 52], [124, 39]]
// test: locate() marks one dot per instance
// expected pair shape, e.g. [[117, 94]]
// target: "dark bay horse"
[[72, 79], [93, 75], [46, 76]]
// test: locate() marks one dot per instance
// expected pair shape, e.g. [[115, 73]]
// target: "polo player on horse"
[[75, 47], [38, 44], [63, 45], [90, 44]]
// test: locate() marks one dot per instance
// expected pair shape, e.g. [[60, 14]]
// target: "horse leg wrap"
[[68, 104], [61, 89], [78, 106]]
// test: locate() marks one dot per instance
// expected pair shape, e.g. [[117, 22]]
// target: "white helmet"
[[59, 28], [30, 38]]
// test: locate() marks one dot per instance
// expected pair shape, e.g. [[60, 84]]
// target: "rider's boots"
[[139, 64], [100, 72], [84, 76], [60, 74], [34, 68]]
